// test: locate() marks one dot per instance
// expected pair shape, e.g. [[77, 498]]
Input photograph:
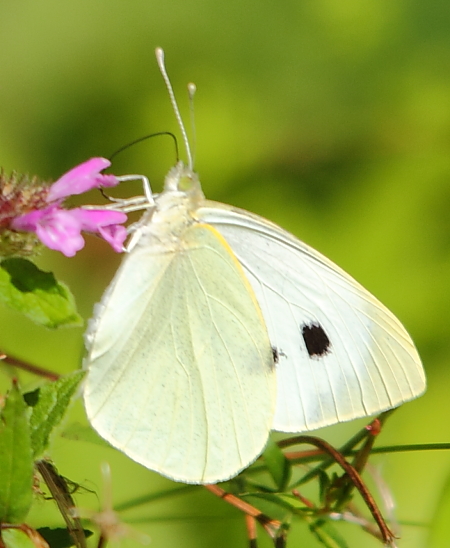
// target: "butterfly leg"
[[145, 185]]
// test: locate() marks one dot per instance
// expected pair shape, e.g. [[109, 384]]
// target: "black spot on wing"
[[277, 354], [316, 340]]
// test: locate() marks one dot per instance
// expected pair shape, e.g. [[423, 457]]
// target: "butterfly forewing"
[[341, 353], [181, 374]]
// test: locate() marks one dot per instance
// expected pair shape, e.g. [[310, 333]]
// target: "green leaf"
[[59, 537], [50, 403], [276, 506], [37, 294], [16, 538], [277, 464], [16, 464], [327, 534], [324, 484]]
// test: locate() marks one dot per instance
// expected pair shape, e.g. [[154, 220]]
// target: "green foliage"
[[49, 404], [16, 464], [17, 538], [277, 464], [58, 537], [36, 294], [327, 534], [24, 434]]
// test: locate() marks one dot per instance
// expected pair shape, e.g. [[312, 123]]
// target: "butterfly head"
[[183, 179]]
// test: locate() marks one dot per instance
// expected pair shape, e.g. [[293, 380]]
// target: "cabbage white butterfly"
[[220, 326]]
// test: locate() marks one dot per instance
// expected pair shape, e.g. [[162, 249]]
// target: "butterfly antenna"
[[160, 60], [192, 88]]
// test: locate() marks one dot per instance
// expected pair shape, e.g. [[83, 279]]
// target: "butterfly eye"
[[186, 183], [316, 340]]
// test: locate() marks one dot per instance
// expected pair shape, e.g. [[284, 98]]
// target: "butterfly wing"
[[340, 353], [180, 366]]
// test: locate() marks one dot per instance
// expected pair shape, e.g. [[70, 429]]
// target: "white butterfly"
[[220, 326]]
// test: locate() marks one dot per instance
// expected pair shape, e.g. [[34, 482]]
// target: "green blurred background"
[[330, 117]]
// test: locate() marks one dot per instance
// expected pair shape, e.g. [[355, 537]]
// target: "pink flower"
[[60, 229], [82, 178]]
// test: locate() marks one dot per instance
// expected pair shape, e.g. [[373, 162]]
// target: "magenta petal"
[[115, 235], [68, 242], [82, 178], [92, 219], [29, 221], [59, 230], [56, 228], [104, 222]]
